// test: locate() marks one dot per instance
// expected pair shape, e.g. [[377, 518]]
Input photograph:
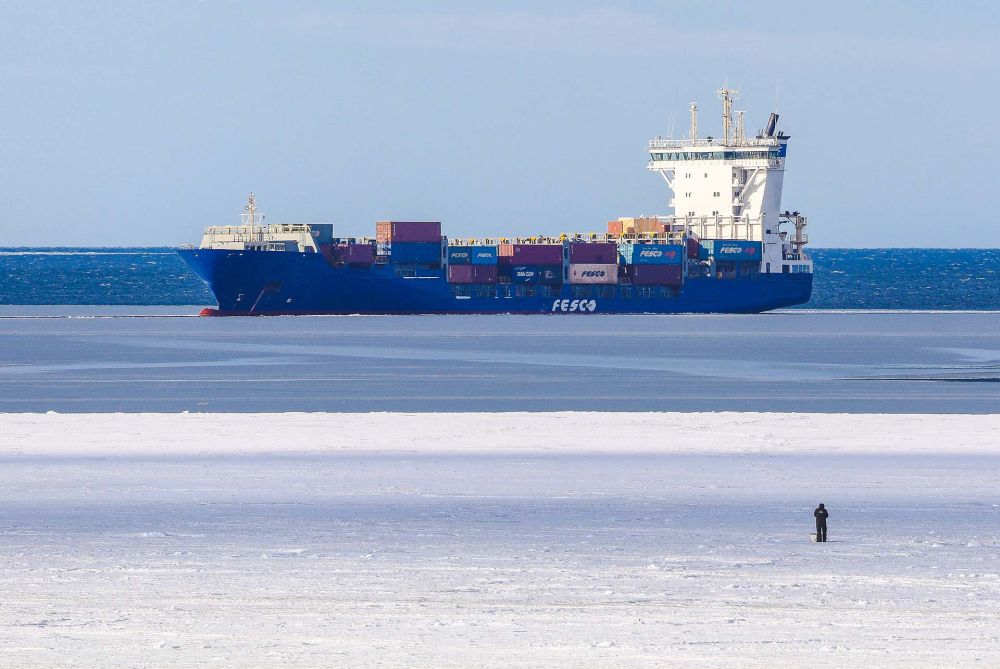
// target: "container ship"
[[726, 248]]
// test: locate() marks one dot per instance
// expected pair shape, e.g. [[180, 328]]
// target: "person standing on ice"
[[821, 515]]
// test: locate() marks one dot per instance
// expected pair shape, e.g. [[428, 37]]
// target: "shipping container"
[[472, 273], [423, 253], [652, 254], [387, 232], [600, 253], [593, 273], [322, 232], [472, 255], [730, 250], [356, 254], [656, 275], [531, 254], [693, 248], [536, 274], [631, 226]]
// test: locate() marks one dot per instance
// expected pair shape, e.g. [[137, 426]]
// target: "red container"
[[657, 275], [693, 248], [536, 254], [387, 232], [472, 273], [597, 253], [616, 228]]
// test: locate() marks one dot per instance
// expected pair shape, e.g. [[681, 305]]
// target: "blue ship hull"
[[273, 283]]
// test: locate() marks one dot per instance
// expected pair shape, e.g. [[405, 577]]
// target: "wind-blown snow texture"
[[458, 540]]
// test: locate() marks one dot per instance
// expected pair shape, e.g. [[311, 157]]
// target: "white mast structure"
[[730, 188]]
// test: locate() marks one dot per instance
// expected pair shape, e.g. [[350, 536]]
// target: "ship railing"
[[661, 143], [721, 227]]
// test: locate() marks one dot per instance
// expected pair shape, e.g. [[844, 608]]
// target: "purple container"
[[472, 273], [357, 253], [594, 253], [537, 254], [693, 248], [408, 231], [657, 275]]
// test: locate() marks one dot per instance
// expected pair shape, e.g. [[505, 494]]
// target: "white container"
[[589, 273], [813, 537]]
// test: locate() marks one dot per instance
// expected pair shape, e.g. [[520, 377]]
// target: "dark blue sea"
[[934, 279]]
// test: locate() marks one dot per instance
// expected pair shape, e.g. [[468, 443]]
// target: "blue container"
[[652, 254], [730, 250], [546, 275], [484, 255], [415, 252], [472, 255]]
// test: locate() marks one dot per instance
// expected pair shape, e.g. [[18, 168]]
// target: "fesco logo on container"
[[574, 305]]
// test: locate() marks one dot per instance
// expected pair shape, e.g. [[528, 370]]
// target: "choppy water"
[[950, 279]]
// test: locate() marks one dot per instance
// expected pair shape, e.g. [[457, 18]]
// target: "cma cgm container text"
[[537, 274]]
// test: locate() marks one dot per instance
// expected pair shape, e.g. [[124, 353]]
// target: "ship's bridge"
[[728, 187]]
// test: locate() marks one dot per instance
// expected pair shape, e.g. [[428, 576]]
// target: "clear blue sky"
[[140, 123]]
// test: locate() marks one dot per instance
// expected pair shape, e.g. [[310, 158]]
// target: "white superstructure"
[[253, 235], [729, 187]]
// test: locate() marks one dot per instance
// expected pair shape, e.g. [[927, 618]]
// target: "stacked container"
[[530, 254], [472, 255], [632, 226], [390, 232], [415, 253], [599, 253], [472, 273], [655, 275], [593, 273], [652, 254], [730, 250], [693, 248], [410, 242], [545, 275], [354, 254]]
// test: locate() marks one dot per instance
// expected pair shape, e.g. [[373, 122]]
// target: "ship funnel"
[[772, 122]]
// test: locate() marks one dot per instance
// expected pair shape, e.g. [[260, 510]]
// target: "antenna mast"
[[694, 121], [251, 214], [740, 128], [727, 95]]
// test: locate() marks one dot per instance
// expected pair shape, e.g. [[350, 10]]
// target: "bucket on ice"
[[813, 537]]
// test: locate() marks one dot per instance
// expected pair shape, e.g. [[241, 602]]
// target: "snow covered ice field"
[[519, 539]]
